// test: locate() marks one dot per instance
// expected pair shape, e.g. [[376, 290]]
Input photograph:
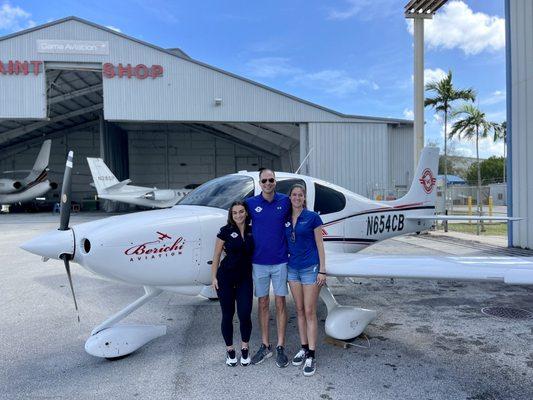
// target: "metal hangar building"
[[163, 119]]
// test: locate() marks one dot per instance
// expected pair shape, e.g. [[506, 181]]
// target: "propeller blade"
[[65, 194], [66, 260]]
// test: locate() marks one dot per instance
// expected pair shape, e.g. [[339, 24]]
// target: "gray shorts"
[[263, 274]]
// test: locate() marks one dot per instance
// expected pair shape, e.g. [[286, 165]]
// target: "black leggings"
[[241, 293]]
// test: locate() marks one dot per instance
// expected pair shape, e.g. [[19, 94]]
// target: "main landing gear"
[[344, 322], [113, 341]]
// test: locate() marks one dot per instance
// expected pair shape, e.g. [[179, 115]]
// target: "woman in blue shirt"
[[306, 273]]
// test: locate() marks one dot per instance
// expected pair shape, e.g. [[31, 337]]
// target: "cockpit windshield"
[[221, 192]]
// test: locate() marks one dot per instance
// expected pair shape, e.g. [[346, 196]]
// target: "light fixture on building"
[[218, 101]]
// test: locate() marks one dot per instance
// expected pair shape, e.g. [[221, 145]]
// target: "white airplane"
[[172, 249], [108, 187], [33, 185]]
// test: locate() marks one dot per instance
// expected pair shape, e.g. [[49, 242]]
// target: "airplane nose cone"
[[52, 244]]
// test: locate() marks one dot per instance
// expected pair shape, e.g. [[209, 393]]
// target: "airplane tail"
[[41, 163], [102, 175], [423, 189]]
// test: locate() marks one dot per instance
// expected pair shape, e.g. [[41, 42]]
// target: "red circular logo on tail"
[[427, 180]]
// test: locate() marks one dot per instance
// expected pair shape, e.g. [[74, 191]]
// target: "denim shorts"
[[263, 274], [305, 276]]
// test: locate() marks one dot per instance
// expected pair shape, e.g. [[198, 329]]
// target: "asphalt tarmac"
[[430, 340]]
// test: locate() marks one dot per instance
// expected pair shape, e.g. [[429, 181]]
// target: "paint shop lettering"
[[139, 71], [15, 67], [384, 223]]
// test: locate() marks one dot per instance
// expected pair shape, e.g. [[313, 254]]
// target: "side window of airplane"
[[328, 200], [284, 185]]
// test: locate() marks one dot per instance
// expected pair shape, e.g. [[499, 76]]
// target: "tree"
[[491, 171], [472, 125], [444, 95], [500, 133]]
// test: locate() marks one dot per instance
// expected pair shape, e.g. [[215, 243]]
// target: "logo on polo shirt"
[[279, 207], [234, 235], [287, 224], [258, 209]]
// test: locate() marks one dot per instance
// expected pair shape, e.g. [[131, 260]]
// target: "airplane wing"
[[510, 270], [461, 218]]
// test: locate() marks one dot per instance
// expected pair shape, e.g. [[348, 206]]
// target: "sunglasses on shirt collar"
[[270, 180]]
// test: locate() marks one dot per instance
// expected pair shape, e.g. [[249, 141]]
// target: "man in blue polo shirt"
[[269, 211]]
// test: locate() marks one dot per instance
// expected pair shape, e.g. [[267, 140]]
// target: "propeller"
[[64, 218]]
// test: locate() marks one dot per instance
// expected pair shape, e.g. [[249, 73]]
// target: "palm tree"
[[473, 124], [500, 133], [445, 95]]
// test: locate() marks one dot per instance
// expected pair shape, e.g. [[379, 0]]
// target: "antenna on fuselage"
[[305, 159]]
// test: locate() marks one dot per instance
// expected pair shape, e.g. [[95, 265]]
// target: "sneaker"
[[263, 353], [281, 358], [310, 366], [245, 357], [231, 359], [299, 358]]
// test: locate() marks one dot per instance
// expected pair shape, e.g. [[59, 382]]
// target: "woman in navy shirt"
[[233, 279], [306, 273]]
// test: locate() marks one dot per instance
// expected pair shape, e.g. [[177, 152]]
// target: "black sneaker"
[[281, 358], [309, 366], [245, 357], [231, 359], [299, 358], [263, 353]]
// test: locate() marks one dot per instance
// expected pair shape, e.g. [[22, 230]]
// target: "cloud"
[[409, 114], [336, 82], [365, 10], [14, 18], [330, 81], [456, 26], [113, 28], [431, 75], [271, 67], [496, 97]]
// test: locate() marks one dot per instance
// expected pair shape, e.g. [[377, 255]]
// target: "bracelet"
[[322, 273]]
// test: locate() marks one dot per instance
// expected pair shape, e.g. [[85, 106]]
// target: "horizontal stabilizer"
[[461, 218], [119, 185], [510, 270]]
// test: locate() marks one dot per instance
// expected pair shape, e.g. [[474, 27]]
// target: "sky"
[[352, 56]]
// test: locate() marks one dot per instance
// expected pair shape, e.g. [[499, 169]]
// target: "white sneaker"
[[310, 366], [245, 357], [299, 358], [231, 358]]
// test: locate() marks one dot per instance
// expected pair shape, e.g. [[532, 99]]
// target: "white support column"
[[418, 88]]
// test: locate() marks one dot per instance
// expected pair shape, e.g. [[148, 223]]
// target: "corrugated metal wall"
[[22, 96], [355, 156], [193, 158], [401, 155], [520, 15], [185, 92]]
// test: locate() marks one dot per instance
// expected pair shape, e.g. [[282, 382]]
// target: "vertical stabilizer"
[[424, 186], [41, 163], [102, 175]]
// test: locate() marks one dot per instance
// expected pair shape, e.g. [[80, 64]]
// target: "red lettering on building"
[[108, 70], [124, 70], [16, 67], [140, 71]]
